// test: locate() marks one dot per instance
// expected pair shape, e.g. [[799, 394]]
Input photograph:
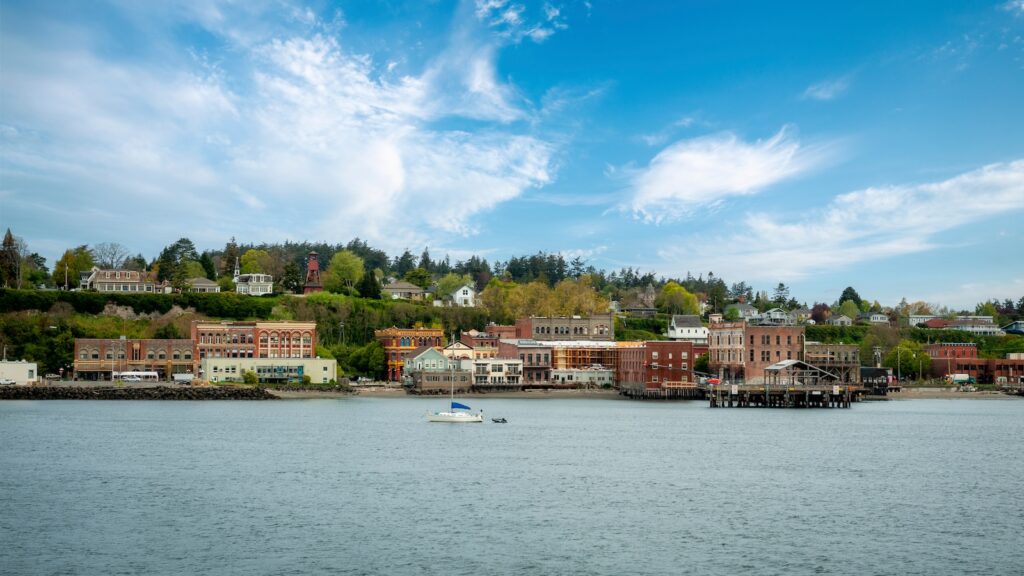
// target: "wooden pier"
[[783, 396], [693, 392]]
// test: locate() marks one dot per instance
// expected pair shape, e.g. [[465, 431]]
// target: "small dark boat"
[[499, 420]]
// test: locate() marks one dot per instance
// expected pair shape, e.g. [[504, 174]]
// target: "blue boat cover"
[[457, 406]]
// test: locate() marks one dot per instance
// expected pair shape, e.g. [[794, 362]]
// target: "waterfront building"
[[668, 364], [260, 339], [497, 373], [426, 369], [629, 365], [100, 358], [689, 328], [553, 328], [726, 349], [767, 345], [399, 341], [841, 360], [20, 372], [945, 354], [535, 356], [1008, 370], [583, 378], [269, 370]]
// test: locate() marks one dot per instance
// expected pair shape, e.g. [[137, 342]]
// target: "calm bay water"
[[575, 486]]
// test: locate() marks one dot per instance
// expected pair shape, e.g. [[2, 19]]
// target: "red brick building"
[[985, 370], [253, 340], [668, 364], [767, 345], [943, 355], [99, 358]]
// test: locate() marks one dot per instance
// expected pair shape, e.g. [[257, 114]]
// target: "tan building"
[[553, 328], [258, 339], [726, 349], [131, 281]]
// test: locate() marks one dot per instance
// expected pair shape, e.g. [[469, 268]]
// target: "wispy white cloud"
[[661, 136], [584, 254], [511, 21], [864, 225], [303, 139], [827, 89], [1014, 6], [702, 172]]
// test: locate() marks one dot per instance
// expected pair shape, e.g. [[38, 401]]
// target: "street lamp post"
[[342, 324]]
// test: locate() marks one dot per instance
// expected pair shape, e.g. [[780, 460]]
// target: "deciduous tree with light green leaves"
[[343, 272], [908, 360], [674, 299], [849, 309], [256, 261], [451, 282]]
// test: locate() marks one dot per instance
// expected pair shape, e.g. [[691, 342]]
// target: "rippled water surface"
[[575, 486]]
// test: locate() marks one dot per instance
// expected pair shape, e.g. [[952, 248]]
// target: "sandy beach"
[[950, 393]]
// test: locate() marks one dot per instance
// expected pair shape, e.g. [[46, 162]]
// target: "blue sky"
[[873, 144]]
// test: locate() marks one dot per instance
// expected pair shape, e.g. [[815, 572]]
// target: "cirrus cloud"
[[852, 228]]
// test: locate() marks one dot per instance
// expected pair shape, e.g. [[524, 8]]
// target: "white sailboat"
[[457, 412]]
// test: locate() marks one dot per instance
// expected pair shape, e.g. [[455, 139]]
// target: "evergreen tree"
[[850, 294], [9, 261], [227, 260], [404, 263], [292, 279], [425, 262], [369, 287], [206, 261]]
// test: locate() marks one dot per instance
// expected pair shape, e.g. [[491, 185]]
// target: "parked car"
[[6, 382]]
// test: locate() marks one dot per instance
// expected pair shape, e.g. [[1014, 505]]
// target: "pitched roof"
[[201, 282], [419, 351], [403, 286], [687, 321]]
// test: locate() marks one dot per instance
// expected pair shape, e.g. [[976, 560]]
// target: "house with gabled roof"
[[688, 327], [400, 289]]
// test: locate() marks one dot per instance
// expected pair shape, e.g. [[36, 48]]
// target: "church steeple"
[[237, 271]]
